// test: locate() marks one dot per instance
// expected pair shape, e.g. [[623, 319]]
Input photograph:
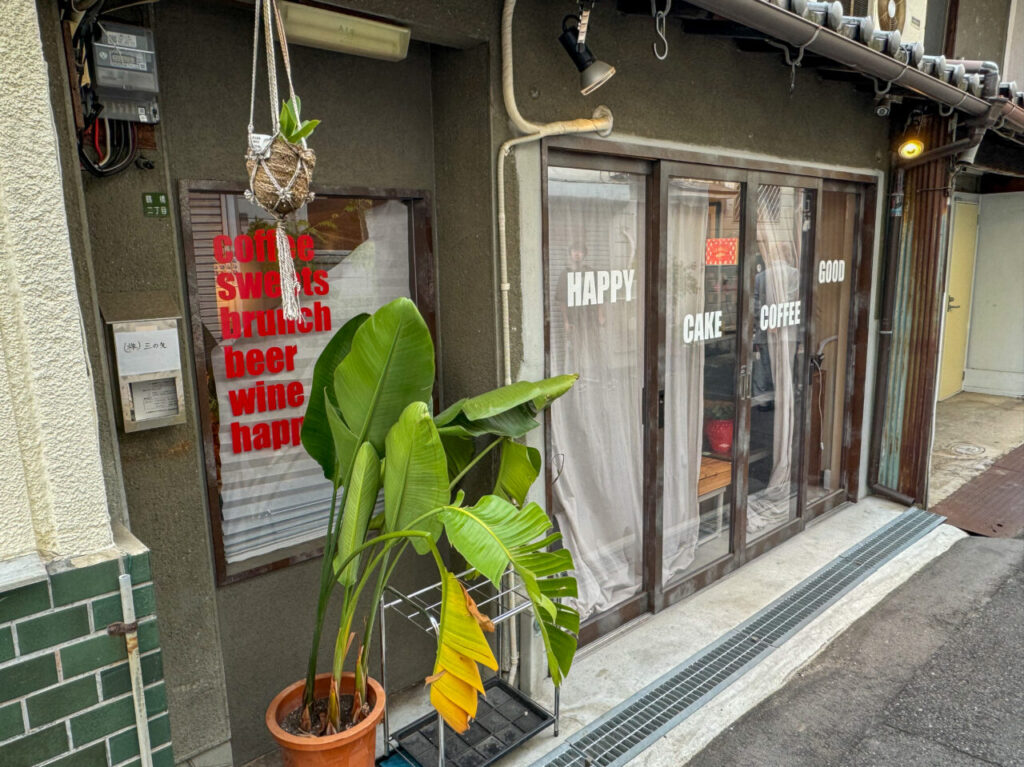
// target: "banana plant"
[[369, 425]]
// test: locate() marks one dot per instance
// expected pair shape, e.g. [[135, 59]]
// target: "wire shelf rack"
[[422, 608]]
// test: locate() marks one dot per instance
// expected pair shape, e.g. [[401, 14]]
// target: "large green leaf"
[[507, 411], [345, 442], [494, 534], [459, 451], [359, 502], [316, 434], [390, 364], [517, 471], [416, 474]]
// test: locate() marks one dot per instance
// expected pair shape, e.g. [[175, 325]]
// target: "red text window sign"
[[350, 256]]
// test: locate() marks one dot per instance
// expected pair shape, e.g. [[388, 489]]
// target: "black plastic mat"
[[505, 719]]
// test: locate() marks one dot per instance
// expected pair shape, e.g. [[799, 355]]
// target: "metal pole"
[[440, 741], [558, 690], [382, 610]]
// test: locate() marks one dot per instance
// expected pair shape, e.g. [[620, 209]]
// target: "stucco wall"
[[981, 30], [1013, 63], [231, 649], [376, 132], [51, 478], [707, 92]]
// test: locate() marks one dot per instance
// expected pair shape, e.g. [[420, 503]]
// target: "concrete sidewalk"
[[932, 676]]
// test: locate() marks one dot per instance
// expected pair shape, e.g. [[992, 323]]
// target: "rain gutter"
[[805, 34]]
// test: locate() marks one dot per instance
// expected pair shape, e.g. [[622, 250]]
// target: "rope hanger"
[[279, 171]]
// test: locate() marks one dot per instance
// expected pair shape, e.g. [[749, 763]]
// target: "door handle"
[[745, 381], [950, 306]]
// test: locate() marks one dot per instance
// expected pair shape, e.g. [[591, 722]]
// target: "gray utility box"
[[124, 73]]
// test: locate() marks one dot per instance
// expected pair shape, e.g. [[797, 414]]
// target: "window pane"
[[595, 283], [352, 255], [832, 276], [784, 238], [702, 278]]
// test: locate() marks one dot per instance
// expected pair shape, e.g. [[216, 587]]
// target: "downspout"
[[601, 123], [989, 71], [964, 147], [129, 628]]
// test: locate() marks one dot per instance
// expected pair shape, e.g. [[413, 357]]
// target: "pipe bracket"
[[603, 115], [119, 628]]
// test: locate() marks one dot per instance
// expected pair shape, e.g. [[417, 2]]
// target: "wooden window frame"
[[422, 288]]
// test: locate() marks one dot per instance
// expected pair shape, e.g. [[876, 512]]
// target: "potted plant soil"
[[718, 425], [370, 427]]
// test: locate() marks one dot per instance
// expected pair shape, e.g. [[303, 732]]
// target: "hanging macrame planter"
[[280, 165]]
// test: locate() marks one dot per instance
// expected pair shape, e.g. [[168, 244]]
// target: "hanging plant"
[[280, 164], [280, 175]]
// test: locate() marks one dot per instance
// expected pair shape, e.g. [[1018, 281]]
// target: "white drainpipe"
[[600, 123], [131, 640]]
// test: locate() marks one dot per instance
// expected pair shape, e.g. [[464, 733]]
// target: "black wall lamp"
[[593, 72]]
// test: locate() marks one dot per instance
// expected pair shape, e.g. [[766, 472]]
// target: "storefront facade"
[[715, 260]]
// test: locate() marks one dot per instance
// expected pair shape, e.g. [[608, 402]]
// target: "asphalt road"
[[933, 676]]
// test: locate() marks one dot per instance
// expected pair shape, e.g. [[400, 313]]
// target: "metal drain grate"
[[632, 726]]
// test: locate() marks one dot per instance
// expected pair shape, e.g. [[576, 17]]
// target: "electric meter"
[[124, 73]]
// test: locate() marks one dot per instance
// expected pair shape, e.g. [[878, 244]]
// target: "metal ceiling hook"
[[659, 27]]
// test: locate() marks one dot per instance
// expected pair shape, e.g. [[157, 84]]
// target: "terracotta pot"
[[355, 747], [719, 434]]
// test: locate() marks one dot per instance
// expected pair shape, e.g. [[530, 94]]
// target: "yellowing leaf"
[[461, 646], [485, 623], [451, 712]]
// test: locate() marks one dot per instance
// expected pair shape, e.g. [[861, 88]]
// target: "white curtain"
[[684, 375], [779, 236], [596, 225]]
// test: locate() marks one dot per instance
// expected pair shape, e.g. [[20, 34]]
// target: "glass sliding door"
[[709, 313], [784, 242], [832, 279], [702, 272], [596, 222]]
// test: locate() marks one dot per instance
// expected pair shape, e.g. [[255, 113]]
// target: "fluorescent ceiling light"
[[336, 31]]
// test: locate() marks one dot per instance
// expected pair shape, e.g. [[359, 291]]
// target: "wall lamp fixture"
[[593, 72], [911, 145], [335, 31]]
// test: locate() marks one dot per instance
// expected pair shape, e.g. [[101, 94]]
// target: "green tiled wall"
[[65, 689]]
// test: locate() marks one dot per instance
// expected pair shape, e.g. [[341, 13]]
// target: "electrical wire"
[[124, 149], [86, 22], [130, 5], [106, 131], [119, 146], [96, 143]]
